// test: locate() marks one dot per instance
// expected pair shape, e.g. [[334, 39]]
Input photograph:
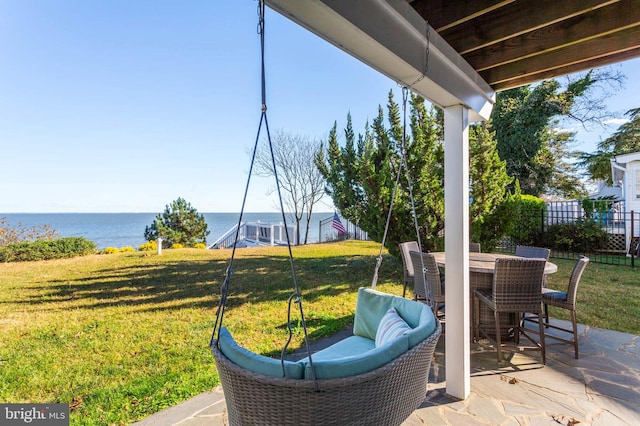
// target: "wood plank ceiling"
[[515, 42]]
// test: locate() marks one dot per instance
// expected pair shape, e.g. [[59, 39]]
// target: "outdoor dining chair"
[[405, 248], [533, 252], [434, 282], [516, 288], [564, 300], [474, 247]]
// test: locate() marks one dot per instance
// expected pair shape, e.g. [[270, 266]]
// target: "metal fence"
[[328, 233], [615, 232]]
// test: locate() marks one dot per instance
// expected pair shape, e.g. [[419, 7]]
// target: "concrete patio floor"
[[600, 388]]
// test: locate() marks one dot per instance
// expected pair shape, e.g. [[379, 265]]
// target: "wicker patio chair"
[[564, 300], [474, 248], [434, 281], [517, 288], [531, 252], [405, 248]]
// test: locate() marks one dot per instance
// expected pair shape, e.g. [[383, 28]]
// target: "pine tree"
[[180, 223], [491, 208]]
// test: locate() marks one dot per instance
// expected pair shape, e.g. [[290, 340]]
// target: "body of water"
[[127, 229]]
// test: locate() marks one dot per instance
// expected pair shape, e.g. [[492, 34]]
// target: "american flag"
[[337, 224]]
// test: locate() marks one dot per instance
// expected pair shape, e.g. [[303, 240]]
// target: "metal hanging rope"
[[296, 297], [405, 95], [403, 165]]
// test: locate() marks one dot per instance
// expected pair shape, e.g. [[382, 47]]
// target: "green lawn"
[[122, 336]]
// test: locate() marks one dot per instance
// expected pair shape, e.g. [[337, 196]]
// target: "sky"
[[124, 106]]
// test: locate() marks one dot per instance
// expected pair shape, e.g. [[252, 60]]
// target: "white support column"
[[456, 229]]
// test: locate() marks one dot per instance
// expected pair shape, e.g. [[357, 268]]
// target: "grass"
[[122, 336], [608, 295]]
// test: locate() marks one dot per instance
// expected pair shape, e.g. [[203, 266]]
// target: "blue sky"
[[123, 106]]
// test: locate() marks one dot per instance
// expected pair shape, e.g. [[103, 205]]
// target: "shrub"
[[47, 249], [148, 246], [581, 236], [17, 234], [527, 226], [109, 250], [127, 249], [200, 246], [177, 246]]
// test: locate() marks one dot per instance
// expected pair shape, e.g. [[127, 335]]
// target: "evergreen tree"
[[361, 181], [180, 223], [492, 207]]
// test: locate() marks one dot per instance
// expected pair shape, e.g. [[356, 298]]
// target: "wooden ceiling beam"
[[591, 50], [513, 20], [594, 24], [577, 67], [444, 14]]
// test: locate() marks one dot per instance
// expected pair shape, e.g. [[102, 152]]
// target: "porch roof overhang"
[[391, 37], [476, 47]]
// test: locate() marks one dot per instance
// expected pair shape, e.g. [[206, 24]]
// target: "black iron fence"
[[604, 231]]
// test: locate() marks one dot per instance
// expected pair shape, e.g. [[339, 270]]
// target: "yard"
[[121, 336]]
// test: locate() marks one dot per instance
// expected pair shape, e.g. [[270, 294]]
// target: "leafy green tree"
[[521, 119], [624, 141], [180, 223], [492, 205]]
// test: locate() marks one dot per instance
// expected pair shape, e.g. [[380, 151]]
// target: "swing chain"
[[405, 96], [296, 297]]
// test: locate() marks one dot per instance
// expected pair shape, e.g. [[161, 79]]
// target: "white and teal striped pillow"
[[391, 326]]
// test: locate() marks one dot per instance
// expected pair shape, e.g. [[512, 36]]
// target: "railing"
[[328, 233], [609, 234], [256, 234]]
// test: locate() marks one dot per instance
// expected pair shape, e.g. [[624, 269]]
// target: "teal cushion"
[[357, 364], [425, 328], [257, 363], [391, 327], [373, 304], [351, 346]]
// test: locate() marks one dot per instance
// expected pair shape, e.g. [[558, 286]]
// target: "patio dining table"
[[481, 270]]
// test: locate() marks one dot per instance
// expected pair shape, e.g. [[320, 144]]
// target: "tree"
[[625, 140], [522, 118], [492, 208], [301, 182], [180, 223], [565, 181], [361, 177]]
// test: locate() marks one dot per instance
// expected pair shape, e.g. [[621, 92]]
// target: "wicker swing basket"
[[385, 396]]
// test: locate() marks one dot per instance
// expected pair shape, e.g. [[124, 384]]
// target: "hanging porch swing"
[[378, 376]]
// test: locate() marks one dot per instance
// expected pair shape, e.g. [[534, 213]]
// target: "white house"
[[625, 171]]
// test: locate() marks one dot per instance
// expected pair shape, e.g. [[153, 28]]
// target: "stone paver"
[[601, 388]]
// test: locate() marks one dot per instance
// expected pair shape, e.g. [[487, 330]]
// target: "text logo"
[[34, 414]]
